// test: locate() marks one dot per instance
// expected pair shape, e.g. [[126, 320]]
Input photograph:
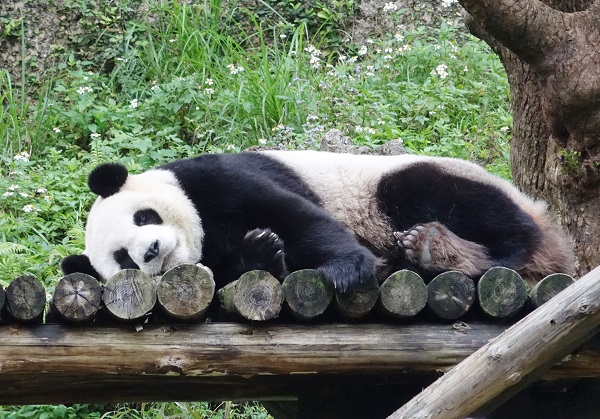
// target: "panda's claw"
[[263, 249]]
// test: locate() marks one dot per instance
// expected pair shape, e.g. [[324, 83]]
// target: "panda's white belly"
[[347, 185]]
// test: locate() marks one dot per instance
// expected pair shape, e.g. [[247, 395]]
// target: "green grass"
[[194, 81]]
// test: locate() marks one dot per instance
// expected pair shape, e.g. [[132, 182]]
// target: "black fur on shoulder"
[[79, 263], [106, 179]]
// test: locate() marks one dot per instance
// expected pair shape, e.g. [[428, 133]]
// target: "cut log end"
[[129, 295], [25, 299], [256, 295], [185, 292], [307, 294], [403, 294], [549, 287], [359, 303], [502, 292], [77, 297], [450, 295]]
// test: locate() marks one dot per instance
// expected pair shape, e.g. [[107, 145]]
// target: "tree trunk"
[[553, 64]]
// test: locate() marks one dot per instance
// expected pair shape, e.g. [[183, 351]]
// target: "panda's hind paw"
[[263, 249], [433, 247]]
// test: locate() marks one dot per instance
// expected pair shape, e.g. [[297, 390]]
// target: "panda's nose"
[[151, 252]]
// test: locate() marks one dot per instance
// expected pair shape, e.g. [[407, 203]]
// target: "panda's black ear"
[[106, 179], [79, 263]]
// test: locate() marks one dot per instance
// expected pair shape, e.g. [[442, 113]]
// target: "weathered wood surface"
[[129, 295], [185, 292], [26, 299], [307, 294], [358, 303], [450, 295], [549, 287], [77, 298], [501, 292], [516, 358], [403, 295], [257, 295], [221, 361]]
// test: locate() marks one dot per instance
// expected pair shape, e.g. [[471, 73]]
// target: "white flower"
[[13, 187], [504, 129], [437, 47], [8, 193], [94, 135], [380, 121], [41, 190], [362, 50], [210, 82], [209, 90], [399, 37], [387, 57], [24, 195], [234, 70], [283, 36], [22, 156], [28, 208], [390, 7], [448, 3], [466, 69], [371, 130], [370, 71], [358, 129], [262, 141], [440, 70], [133, 104], [172, 40], [56, 130], [315, 62], [230, 147]]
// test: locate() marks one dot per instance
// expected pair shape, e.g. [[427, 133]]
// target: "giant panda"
[[349, 216]]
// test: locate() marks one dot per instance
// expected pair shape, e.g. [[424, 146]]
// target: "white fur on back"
[[110, 225], [347, 185]]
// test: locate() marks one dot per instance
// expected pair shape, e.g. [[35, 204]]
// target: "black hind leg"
[[433, 248]]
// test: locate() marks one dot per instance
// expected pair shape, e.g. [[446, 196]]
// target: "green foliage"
[[571, 162], [193, 79], [49, 412], [203, 410]]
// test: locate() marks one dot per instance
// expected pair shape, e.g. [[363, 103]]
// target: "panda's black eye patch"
[[124, 260], [146, 216]]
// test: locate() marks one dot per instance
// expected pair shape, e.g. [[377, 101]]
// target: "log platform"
[[326, 369]]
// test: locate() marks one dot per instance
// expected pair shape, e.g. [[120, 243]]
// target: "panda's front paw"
[[351, 271], [263, 249]]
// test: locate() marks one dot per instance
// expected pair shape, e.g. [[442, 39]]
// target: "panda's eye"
[[146, 216], [124, 260]]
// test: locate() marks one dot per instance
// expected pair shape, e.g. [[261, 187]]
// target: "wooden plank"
[[516, 358], [58, 364]]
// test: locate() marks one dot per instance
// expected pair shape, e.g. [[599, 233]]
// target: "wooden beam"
[[516, 358], [61, 364]]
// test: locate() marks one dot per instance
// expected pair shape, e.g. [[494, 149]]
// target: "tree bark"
[[549, 50]]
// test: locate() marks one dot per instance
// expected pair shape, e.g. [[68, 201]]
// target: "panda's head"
[[143, 221]]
